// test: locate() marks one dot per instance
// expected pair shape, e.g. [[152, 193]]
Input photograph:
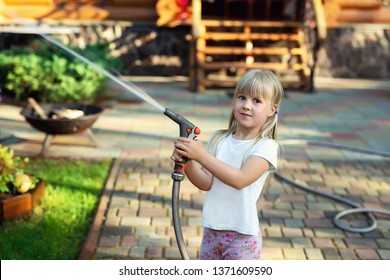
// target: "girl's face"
[[251, 113]]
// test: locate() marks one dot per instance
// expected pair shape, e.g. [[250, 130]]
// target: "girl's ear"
[[273, 111]]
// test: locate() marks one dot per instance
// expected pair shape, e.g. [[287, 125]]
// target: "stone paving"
[[134, 216]]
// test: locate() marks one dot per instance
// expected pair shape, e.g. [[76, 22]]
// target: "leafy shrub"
[[11, 167], [49, 75]]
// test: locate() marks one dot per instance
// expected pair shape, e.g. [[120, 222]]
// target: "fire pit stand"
[[63, 126], [49, 137]]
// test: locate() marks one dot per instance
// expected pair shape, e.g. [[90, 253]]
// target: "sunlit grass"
[[59, 225]]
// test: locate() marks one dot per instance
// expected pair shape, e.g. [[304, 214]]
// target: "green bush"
[[48, 74]]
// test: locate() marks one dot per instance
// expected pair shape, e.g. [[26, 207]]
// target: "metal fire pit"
[[62, 126]]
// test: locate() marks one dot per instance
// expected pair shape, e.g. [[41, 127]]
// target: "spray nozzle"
[[187, 129]]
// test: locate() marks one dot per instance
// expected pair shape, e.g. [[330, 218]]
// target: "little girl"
[[235, 167]]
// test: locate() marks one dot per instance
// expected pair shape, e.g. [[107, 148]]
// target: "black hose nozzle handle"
[[187, 129]]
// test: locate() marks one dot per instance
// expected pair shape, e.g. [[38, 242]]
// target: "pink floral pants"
[[229, 245]]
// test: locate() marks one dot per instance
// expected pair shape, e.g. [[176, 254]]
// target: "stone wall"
[[359, 51]]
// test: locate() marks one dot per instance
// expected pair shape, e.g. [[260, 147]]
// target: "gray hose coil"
[[357, 208]]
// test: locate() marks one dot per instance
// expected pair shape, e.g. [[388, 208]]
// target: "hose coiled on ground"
[[357, 208]]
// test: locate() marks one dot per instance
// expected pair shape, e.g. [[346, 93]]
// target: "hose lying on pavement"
[[357, 208]]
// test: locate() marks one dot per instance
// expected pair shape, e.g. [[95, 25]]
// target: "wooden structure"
[[337, 12], [82, 9], [342, 12], [228, 36], [278, 35]]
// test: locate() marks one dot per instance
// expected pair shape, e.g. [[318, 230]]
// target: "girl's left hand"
[[176, 156], [189, 148]]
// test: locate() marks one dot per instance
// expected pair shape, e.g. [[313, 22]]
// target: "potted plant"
[[19, 192]]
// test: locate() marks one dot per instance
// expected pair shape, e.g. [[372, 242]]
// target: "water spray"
[[186, 128]]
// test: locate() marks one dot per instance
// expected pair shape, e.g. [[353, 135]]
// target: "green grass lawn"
[[58, 226]]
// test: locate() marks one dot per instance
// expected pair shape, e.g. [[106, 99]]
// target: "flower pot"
[[13, 206]]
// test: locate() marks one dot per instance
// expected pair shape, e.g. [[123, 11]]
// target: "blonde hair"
[[258, 84]]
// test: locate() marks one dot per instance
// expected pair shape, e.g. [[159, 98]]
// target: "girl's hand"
[[176, 156], [188, 148], [192, 149]]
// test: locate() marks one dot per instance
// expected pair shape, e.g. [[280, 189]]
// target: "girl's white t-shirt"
[[227, 208]]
